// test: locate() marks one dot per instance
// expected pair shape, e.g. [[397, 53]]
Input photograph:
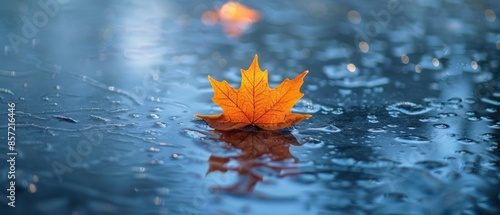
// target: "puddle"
[[405, 113]]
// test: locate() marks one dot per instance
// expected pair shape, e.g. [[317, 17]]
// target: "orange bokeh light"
[[235, 18]]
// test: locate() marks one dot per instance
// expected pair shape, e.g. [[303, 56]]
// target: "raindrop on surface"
[[487, 136], [312, 142], [429, 119], [454, 100], [409, 108], [177, 156], [157, 109], [470, 113], [134, 115], [153, 149], [153, 116], [373, 121], [495, 126], [394, 114], [371, 117], [447, 114], [338, 111], [327, 128], [377, 130], [437, 104], [441, 126], [473, 118], [455, 106], [491, 110], [470, 100], [160, 124], [412, 139], [467, 141], [306, 106], [487, 118]]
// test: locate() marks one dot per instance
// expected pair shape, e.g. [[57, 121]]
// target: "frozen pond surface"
[[405, 98]]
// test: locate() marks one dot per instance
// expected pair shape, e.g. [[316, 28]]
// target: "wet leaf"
[[255, 103]]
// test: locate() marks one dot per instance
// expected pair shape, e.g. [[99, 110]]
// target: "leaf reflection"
[[261, 151]]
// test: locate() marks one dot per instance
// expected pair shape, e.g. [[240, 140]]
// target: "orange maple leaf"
[[255, 103]]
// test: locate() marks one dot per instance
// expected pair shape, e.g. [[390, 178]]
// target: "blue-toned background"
[[405, 98]]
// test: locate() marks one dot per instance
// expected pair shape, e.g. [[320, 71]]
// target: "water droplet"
[[437, 104], [447, 114], [464, 152], [429, 119], [487, 136], [467, 141], [377, 130], [455, 106], [371, 117], [153, 149], [412, 139], [157, 109], [338, 111], [409, 108], [441, 126], [470, 113], [487, 118], [177, 156], [306, 106], [394, 114], [327, 128], [473, 118], [491, 109], [312, 142], [160, 124], [153, 116], [134, 115], [495, 126], [470, 100], [454, 100]]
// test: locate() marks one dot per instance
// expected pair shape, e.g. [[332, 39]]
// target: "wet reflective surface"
[[405, 99]]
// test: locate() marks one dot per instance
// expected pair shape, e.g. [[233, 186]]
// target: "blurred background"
[[404, 95]]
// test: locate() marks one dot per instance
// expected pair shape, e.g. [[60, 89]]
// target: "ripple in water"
[[412, 139], [409, 108]]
